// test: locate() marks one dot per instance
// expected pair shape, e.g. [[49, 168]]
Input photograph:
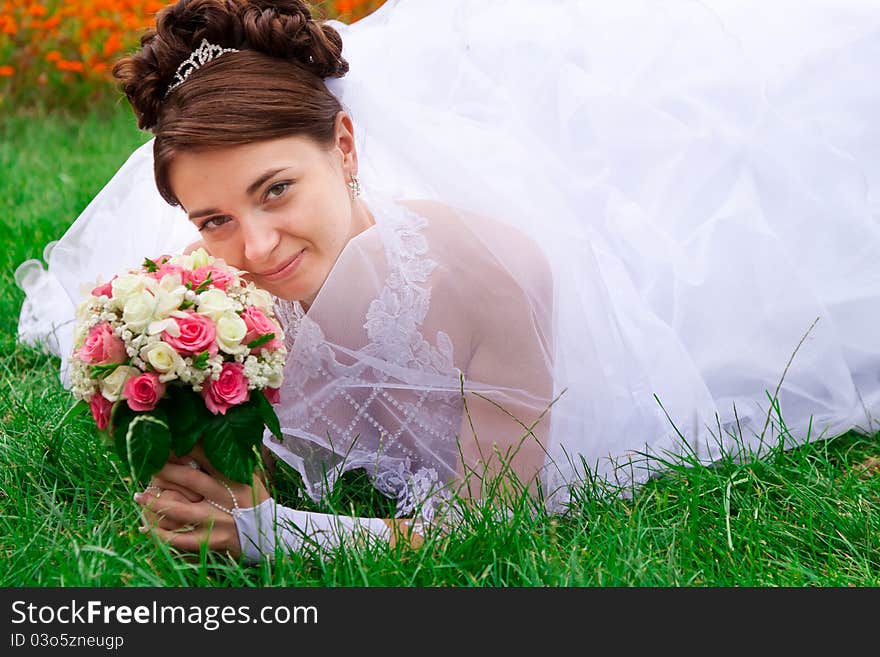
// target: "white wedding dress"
[[638, 209]]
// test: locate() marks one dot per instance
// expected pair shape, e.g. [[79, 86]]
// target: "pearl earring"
[[354, 187]]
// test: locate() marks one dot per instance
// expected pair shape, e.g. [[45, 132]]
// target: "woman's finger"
[[217, 538], [164, 484], [181, 511], [193, 480], [151, 518]]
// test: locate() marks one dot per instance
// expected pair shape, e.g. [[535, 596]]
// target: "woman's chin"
[[288, 292]]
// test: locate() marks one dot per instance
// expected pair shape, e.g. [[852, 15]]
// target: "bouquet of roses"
[[179, 350]]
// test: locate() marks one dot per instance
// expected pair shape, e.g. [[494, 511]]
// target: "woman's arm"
[[492, 294], [504, 429]]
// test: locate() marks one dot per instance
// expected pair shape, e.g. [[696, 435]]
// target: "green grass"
[[808, 516]]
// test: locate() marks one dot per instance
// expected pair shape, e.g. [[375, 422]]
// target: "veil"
[[617, 222]]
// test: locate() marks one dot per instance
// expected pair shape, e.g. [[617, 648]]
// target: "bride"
[[528, 243]]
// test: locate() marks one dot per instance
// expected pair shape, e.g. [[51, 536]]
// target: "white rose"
[[214, 303], [261, 299], [139, 311], [113, 385], [162, 357], [231, 330], [126, 286]]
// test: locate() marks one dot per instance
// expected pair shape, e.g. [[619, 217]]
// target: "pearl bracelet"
[[235, 511]]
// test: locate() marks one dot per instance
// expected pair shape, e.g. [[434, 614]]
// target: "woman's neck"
[[361, 220]]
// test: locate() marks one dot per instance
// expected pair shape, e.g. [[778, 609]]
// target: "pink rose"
[[106, 289], [144, 392], [197, 333], [273, 395], [220, 278], [101, 407], [258, 324], [168, 268], [227, 391], [102, 347]]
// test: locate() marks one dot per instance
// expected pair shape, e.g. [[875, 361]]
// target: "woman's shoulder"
[[497, 251]]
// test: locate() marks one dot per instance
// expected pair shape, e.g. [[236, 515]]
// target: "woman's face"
[[279, 209]]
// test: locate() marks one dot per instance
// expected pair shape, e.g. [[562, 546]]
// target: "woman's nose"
[[260, 239]]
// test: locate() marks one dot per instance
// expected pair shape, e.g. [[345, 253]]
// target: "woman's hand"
[[188, 503]]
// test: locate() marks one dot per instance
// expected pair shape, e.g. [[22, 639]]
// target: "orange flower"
[[6, 71], [8, 24], [37, 10], [68, 65], [53, 56], [112, 45]]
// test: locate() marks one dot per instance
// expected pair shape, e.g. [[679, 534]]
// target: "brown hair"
[[273, 87]]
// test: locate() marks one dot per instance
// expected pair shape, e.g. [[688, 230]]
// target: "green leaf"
[[267, 413], [120, 417], [150, 266], [145, 443], [185, 305], [260, 341], [96, 371], [201, 361], [205, 284], [187, 416], [229, 441]]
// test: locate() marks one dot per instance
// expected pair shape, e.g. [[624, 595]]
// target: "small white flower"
[[168, 325], [274, 380], [199, 258], [169, 295]]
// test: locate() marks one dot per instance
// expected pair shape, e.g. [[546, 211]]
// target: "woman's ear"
[[345, 143]]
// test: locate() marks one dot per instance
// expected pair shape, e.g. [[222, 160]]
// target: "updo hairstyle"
[[273, 87]]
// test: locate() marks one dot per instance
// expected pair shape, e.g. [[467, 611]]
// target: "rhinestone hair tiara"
[[205, 53]]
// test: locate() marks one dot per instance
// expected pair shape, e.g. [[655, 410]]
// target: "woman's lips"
[[285, 270]]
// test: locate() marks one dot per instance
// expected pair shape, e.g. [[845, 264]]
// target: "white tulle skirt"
[[721, 158]]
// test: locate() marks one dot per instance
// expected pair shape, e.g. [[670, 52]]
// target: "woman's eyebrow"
[[259, 181], [254, 186]]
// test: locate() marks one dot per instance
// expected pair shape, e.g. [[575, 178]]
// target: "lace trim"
[[420, 494], [392, 323]]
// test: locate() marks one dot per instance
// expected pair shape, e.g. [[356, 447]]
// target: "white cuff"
[[269, 525]]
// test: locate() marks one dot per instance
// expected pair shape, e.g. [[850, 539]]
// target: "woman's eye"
[[277, 190], [213, 222]]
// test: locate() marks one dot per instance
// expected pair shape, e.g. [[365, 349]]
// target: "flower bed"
[[59, 53]]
